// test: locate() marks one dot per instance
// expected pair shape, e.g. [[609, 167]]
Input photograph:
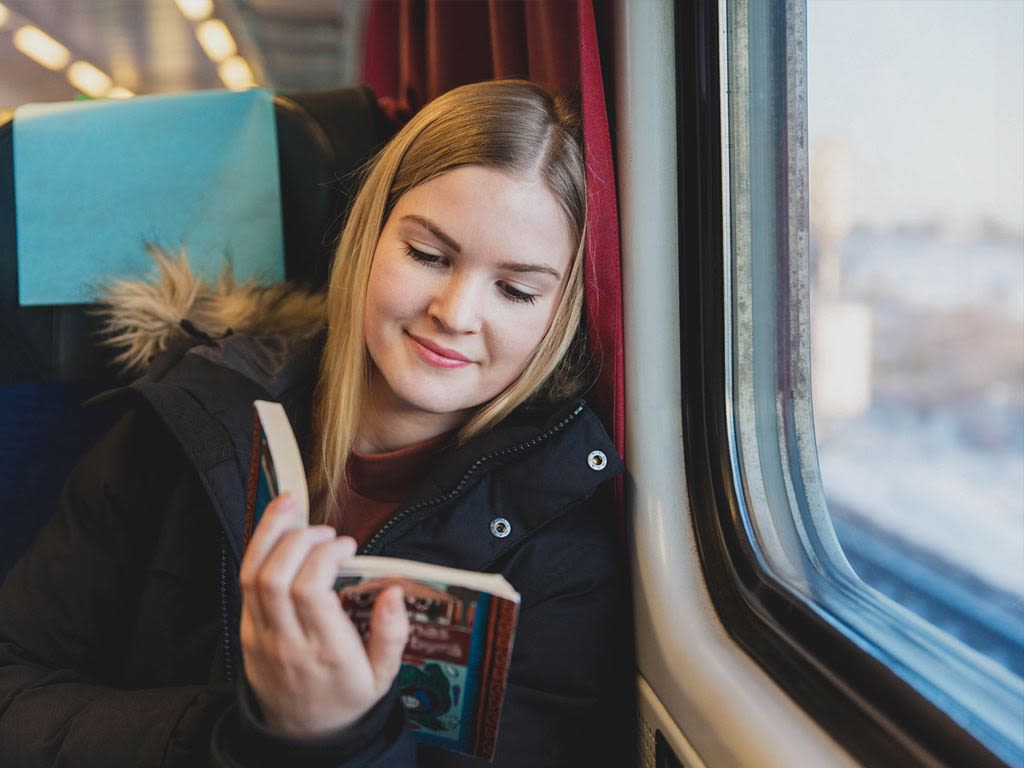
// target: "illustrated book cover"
[[462, 623]]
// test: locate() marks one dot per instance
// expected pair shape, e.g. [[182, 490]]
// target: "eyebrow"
[[448, 240], [541, 268], [433, 229]]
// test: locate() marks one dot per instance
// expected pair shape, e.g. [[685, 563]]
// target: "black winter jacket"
[[119, 627]]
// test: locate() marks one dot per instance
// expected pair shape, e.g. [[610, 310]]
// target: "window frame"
[[862, 702]]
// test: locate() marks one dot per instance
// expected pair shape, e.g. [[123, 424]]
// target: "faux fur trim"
[[141, 318]]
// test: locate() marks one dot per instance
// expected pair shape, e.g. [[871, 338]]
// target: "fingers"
[[389, 632], [274, 581], [316, 602], [280, 516], [287, 577]]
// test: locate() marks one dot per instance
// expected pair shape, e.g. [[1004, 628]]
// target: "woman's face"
[[465, 280]]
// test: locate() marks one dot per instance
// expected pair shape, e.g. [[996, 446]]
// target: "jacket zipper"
[[224, 614], [454, 492]]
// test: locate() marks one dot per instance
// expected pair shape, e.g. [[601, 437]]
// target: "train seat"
[[51, 359]]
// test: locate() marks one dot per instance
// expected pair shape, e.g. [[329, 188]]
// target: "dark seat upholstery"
[[50, 359]]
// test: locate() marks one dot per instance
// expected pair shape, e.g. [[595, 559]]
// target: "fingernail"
[[286, 501], [396, 603]]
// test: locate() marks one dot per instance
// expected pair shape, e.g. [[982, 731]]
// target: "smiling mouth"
[[436, 355]]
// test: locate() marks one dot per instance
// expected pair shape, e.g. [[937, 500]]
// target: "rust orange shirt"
[[377, 484]]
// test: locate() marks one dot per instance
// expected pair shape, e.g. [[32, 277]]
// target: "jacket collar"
[[536, 460]]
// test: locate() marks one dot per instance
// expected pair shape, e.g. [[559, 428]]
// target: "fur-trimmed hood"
[[141, 318]]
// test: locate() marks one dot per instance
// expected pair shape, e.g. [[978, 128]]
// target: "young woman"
[[439, 416]]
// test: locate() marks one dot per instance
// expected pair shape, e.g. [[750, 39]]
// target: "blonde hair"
[[510, 125]]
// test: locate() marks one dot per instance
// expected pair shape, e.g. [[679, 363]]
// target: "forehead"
[[490, 213]]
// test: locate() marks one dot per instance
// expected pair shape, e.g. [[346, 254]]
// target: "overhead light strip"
[[48, 52], [216, 40], [89, 79], [41, 48], [213, 35], [235, 73], [218, 44], [195, 10]]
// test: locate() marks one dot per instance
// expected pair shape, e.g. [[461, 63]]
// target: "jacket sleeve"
[[67, 611], [381, 738]]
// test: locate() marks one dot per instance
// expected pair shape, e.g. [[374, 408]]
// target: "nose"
[[455, 307]]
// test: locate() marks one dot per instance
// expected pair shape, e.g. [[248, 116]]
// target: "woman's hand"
[[304, 659]]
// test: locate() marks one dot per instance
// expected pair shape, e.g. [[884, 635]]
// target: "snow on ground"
[[912, 476]]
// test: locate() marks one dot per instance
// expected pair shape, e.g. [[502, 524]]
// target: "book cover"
[[455, 665], [462, 623]]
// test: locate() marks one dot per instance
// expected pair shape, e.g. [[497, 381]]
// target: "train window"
[[874, 286]]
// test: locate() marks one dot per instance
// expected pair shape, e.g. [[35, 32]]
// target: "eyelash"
[[430, 260]]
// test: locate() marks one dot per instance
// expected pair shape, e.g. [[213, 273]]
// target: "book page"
[[284, 470], [369, 567]]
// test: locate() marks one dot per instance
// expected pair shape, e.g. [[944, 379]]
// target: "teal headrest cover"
[[97, 180]]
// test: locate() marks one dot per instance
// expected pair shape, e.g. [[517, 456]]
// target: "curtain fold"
[[418, 49], [603, 262]]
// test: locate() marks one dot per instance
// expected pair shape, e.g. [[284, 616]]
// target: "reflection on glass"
[[917, 224]]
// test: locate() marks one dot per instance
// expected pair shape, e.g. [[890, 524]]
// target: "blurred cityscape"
[[917, 307], [926, 484]]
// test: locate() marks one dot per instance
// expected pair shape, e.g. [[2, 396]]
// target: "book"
[[455, 665], [462, 623]]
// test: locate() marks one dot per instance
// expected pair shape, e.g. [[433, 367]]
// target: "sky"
[[928, 98]]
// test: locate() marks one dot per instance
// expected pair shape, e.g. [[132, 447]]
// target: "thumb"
[[389, 632]]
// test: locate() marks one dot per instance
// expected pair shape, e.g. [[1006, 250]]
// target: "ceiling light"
[[195, 10], [119, 92], [216, 40], [236, 74], [4, 15], [41, 48], [89, 80]]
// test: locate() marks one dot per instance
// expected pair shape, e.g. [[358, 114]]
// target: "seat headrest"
[[322, 139]]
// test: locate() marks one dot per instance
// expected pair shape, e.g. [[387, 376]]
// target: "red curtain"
[[418, 49]]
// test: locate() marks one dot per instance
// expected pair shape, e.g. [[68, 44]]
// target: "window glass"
[[875, 332], [917, 264]]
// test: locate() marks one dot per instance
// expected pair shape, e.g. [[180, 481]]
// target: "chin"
[[434, 397]]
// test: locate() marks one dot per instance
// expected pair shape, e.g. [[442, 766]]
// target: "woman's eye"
[[514, 294], [429, 259]]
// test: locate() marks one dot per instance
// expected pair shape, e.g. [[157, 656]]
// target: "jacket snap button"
[[501, 527], [597, 460]]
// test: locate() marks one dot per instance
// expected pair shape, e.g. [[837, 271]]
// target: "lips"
[[437, 355]]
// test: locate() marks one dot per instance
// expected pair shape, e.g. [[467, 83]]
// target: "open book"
[[462, 623]]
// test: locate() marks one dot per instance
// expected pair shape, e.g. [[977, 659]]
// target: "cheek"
[[387, 295], [520, 337]]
